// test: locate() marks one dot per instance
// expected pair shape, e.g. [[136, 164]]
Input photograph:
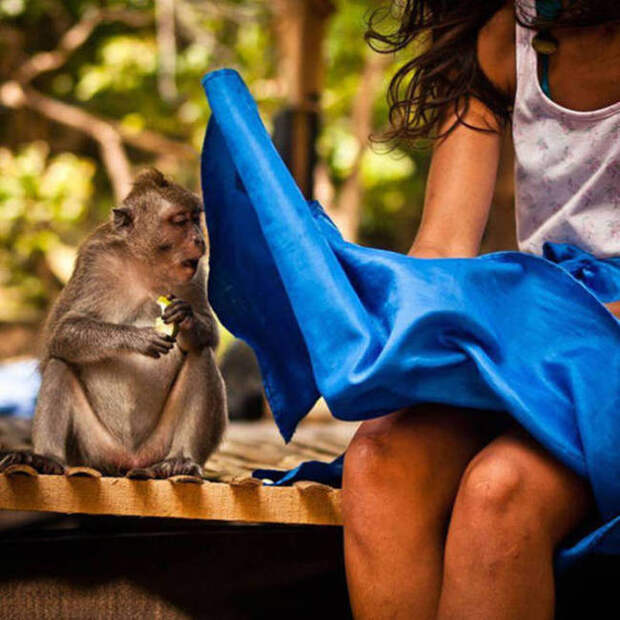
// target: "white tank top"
[[567, 167]]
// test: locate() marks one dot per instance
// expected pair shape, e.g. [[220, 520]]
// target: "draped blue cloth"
[[373, 331]]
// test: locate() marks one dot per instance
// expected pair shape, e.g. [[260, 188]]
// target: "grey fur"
[[116, 394]]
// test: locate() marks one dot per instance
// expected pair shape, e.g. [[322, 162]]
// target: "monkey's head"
[[163, 224]]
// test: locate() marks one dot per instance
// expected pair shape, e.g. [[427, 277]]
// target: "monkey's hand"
[[196, 330], [150, 342], [181, 313]]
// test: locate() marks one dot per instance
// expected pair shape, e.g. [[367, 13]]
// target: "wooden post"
[[300, 29]]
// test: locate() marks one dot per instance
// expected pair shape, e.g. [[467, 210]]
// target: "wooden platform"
[[229, 493]]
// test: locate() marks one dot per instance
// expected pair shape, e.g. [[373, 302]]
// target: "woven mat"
[[246, 446]]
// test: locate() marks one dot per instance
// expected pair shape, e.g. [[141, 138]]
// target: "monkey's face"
[[180, 242], [163, 224]]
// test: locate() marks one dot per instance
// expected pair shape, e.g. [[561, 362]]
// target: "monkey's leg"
[[195, 414], [64, 425], [52, 423]]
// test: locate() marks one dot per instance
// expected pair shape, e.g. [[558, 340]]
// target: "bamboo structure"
[[300, 28], [228, 491]]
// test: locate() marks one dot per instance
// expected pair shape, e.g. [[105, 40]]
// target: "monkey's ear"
[[122, 218]]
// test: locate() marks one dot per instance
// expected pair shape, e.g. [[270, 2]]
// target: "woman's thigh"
[[411, 461]]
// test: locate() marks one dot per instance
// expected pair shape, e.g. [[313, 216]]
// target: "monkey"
[[116, 394]]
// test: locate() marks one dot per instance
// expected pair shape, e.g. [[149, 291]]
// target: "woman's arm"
[[614, 308], [459, 188], [463, 170]]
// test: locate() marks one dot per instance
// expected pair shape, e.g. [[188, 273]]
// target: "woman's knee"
[[365, 460], [492, 485], [380, 489], [513, 494], [494, 523], [412, 456], [372, 460], [399, 449]]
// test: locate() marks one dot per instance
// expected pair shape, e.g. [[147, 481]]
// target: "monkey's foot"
[[41, 464], [177, 466]]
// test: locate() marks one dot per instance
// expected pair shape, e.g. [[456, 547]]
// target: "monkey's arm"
[[200, 395], [204, 332], [79, 339]]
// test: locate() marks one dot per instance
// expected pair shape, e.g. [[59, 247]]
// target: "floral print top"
[[567, 168]]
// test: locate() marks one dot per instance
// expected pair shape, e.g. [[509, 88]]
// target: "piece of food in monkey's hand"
[[170, 329]]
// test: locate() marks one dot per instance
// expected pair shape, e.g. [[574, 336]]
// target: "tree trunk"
[[166, 50], [300, 30], [346, 211]]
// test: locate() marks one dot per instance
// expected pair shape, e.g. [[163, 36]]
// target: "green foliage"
[[12, 8], [393, 199], [125, 62], [42, 200], [53, 186], [393, 183]]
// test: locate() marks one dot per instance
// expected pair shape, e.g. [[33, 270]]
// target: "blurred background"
[[91, 92]]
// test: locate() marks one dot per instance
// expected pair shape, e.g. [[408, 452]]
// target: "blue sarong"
[[374, 331]]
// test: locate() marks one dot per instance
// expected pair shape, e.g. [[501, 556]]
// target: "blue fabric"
[[544, 78], [374, 331], [327, 473]]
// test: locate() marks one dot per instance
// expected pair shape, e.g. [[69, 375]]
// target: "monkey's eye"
[[179, 220]]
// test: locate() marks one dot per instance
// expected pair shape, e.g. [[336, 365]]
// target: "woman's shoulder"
[[496, 50]]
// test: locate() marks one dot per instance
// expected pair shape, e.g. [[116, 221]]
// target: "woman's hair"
[[443, 73]]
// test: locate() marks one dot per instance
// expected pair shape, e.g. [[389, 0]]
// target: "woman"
[[452, 513]]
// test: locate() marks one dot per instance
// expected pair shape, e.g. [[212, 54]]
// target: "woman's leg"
[[401, 475], [515, 503]]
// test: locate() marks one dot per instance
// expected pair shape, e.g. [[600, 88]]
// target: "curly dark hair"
[[445, 73]]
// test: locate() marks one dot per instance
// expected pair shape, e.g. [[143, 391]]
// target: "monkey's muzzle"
[[190, 263]]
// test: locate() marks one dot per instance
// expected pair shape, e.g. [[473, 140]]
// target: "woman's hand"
[[614, 308]]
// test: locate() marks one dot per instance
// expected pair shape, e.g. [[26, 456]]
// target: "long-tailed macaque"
[[116, 393]]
